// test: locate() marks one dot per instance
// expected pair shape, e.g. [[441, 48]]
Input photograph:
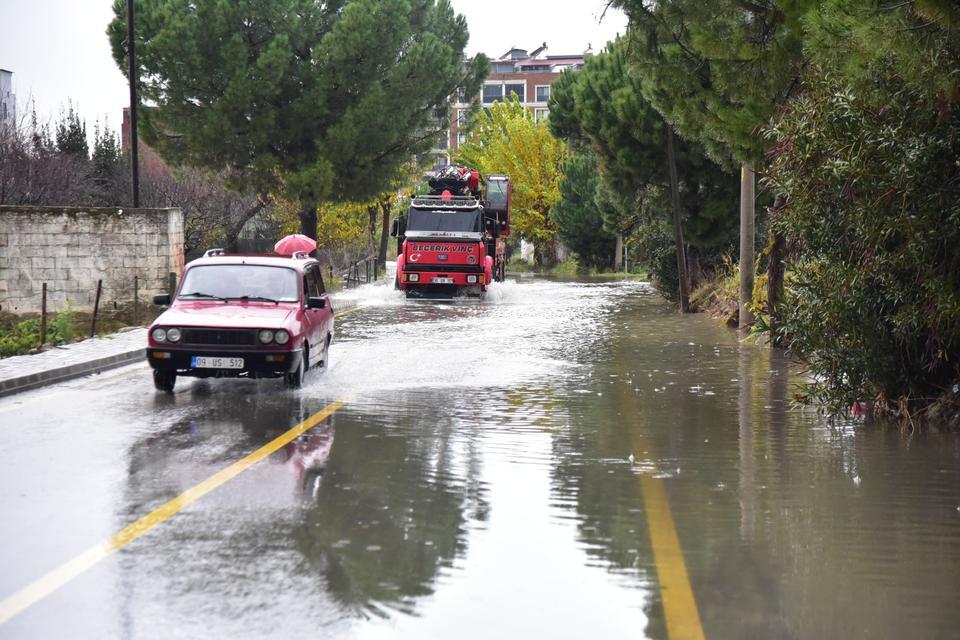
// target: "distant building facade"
[[526, 75], [8, 101]]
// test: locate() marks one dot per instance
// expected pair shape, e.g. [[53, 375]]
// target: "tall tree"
[[603, 106], [323, 100], [578, 215], [507, 139], [717, 71]]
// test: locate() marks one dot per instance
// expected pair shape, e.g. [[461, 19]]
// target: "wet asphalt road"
[[564, 460]]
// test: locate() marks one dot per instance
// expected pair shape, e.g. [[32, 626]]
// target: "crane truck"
[[451, 242]]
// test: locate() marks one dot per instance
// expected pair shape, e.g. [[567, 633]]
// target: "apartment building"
[[8, 101], [527, 75]]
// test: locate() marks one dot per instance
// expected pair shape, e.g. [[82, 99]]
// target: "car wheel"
[[164, 380], [294, 379]]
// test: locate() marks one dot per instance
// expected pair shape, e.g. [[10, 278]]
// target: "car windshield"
[[236, 281], [421, 220]]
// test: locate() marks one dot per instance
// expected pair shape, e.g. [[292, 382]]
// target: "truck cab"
[[443, 249]]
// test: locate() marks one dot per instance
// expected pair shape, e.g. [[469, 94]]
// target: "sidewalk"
[[21, 373]]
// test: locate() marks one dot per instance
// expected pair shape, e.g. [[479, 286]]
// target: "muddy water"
[[489, 477]]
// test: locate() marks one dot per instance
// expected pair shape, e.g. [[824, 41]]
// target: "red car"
[[256, 316]]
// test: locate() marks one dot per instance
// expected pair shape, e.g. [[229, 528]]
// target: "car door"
[[317, 319]]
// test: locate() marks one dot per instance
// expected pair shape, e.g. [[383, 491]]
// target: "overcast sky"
[[58, 49]]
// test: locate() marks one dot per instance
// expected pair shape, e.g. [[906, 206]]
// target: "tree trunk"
[[677, 226], [618, 256], [545, 253], [747, 214], [372, 212], [384, 232], [308, 220], [694, 271], [775, 272]]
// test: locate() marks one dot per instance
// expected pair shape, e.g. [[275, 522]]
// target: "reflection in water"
[[747, 472]]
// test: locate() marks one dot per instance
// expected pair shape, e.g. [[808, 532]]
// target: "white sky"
[[58, 49]]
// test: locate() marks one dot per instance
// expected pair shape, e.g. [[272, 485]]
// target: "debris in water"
[[630, 458], [856, 480]]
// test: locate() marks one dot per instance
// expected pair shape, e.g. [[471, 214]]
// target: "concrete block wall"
[[70, 248]]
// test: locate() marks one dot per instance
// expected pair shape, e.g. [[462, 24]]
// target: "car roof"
[[260, 259]]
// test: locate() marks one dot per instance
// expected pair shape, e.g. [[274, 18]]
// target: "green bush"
[[873, 216]]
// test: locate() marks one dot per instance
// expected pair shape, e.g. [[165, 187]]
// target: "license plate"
[[207, 362], [443, 281]]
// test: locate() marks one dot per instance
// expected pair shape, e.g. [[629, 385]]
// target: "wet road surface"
[[564, 460]]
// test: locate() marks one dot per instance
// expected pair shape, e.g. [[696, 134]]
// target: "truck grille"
[[229, 337], [447, 268]]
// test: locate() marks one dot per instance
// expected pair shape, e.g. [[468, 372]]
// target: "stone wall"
[[70, 248]]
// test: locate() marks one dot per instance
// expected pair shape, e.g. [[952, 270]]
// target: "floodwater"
[[489, 476]]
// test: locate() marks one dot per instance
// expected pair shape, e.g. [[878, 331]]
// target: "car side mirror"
[[394, 227], [162, 300], [316, 302]]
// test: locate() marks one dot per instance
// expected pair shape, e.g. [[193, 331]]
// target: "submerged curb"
[[77, 370]]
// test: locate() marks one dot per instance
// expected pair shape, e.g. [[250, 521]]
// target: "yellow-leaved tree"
[[507, 139]]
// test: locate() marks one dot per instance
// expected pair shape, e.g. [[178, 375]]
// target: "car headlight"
[[471, 279], [174, 335], [282, 337], [266, 336], [159, 334], [414, 277]]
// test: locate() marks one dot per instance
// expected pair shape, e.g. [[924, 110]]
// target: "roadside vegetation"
[[849, 114]]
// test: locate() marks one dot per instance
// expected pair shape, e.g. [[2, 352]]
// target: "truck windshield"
[[497, 194], [235, 281], [464, 221]]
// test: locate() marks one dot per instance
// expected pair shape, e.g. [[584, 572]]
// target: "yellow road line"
[[676, 594], [347, 312], [46, 585]]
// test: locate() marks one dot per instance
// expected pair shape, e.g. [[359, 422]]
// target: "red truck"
[[451, 242]]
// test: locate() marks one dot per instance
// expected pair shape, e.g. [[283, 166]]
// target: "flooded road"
[[563, 460]]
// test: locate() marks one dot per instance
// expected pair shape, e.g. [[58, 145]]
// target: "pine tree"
[[72, 134], [323, 101]]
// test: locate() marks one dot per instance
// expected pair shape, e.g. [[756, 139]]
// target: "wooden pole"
[[136, 300], [43, 314], [747, 214], [132, 73], [677, 226], [96, 309]]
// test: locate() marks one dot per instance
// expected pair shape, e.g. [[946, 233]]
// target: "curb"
[[61, 374]]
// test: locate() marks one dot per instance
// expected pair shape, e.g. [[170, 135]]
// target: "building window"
[[541, 114], [543, 93], [518, 90], [492, 93]]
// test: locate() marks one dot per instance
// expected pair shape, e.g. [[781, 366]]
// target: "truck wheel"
[[294, 379], [164, 380]]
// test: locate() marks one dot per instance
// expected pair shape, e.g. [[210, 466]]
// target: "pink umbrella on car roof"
[[289, 245]]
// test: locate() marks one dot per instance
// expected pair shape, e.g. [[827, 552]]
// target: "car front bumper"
[[256, 364]]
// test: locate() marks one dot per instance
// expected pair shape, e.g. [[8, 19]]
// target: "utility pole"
[[677, 226], [134, 150], [747, 214]]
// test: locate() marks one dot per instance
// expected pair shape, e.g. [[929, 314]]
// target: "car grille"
[[228, 337]]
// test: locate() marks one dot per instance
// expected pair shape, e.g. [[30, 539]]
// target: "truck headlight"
[[282, 337], [471, 279], [159, 334], [266, 336], [414, 277]]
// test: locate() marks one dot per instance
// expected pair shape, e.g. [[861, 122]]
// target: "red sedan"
[[235, 315]]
